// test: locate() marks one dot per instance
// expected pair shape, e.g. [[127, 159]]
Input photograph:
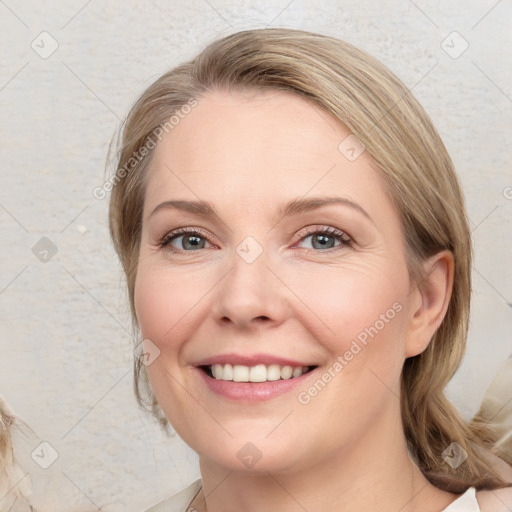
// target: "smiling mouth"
[[254, 374]]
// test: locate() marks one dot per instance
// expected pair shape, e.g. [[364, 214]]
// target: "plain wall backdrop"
[[69, 72]]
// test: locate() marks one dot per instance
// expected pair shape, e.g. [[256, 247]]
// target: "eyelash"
[[344, 239]]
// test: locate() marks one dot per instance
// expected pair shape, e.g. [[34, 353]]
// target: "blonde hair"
[[399, 136], [15, 483]]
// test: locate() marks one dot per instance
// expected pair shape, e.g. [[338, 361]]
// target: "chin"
[[251, 453], [253, 459]]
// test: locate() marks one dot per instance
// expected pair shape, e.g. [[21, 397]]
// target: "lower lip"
[[252, 391]]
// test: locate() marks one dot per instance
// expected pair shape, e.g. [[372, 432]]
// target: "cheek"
[[166, 303], [359, 316], [151, 301], [350, 303], [367, 313]]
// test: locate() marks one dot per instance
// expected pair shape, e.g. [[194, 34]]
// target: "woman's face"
[[297, 260]]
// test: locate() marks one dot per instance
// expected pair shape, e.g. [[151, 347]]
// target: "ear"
[[429, 302]]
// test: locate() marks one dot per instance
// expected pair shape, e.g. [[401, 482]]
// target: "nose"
[[250, 295]]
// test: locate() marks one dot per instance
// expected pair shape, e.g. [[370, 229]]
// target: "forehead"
[[276, 121], [261, 147]]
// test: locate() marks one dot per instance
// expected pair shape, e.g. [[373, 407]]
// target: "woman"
[[298, 263]]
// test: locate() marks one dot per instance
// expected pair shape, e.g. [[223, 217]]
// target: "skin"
[[248, 153]]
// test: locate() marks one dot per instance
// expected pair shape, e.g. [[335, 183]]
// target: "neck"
[[375, 473]]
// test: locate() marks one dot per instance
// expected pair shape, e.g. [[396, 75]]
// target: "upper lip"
[[250, 360]]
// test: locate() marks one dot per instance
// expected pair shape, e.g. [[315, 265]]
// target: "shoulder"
[[178, 502], [498, 500]]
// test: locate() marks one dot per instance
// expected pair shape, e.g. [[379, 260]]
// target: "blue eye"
[[326, 238], [191, 240]]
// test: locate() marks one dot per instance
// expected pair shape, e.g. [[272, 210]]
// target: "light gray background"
[[66, 351]]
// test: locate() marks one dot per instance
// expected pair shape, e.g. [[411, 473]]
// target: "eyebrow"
[[295, 207]]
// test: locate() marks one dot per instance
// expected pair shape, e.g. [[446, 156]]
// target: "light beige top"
[[181, 502]]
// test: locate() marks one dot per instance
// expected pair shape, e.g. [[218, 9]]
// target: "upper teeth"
[[258, 373]]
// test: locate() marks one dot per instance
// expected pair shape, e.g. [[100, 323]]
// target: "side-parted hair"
[[411, 157]]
